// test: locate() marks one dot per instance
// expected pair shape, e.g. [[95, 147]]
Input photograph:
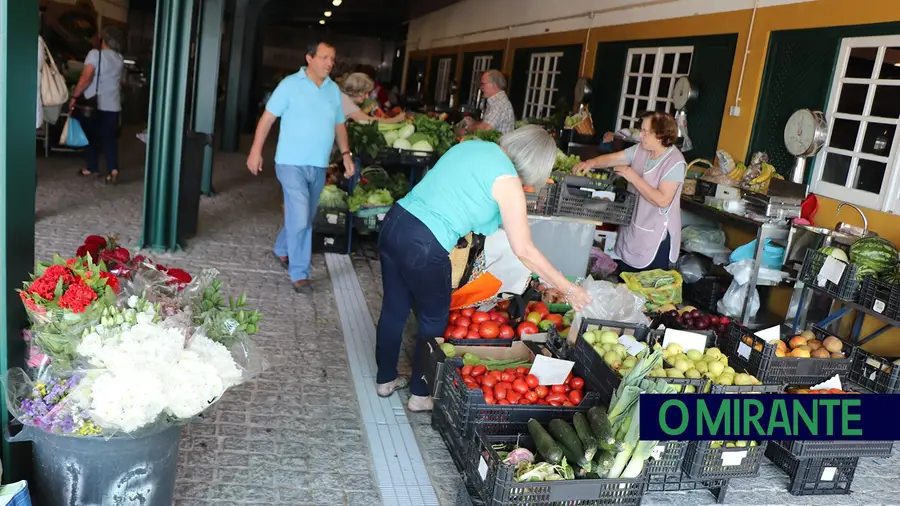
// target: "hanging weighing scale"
[[804, 135], [682, 94]]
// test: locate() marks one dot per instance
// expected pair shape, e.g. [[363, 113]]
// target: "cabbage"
[[402, 143], [407, 131], [333, 197], [390, 137], [422, 146]]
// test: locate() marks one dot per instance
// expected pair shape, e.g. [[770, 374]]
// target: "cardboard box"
[[431, 360], [721, 191], [606, 240]]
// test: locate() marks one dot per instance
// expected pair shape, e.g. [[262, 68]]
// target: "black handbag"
[[86, 106]]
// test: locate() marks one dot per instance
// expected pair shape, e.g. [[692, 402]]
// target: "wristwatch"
[[345, 153]]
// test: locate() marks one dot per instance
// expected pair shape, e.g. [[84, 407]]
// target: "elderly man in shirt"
[[498, 114], [309, 105]]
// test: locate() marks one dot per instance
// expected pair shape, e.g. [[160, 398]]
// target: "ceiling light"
[[336, 2], [897, 64], [321, 21], [327, 14]]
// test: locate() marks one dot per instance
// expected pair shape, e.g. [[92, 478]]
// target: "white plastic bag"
[[732, 304], [609, 302]]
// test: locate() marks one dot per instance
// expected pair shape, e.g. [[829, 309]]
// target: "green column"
[[239, 31], [168, 90], [207, 80], [18, 100]]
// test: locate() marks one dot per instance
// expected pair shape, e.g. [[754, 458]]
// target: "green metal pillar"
[[239, 30], [168, 93], [207, 80], [18, 100]]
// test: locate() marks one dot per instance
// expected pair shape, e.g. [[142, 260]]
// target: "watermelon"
[[874, 252], [836, 253], [892, 277], [864, 271]]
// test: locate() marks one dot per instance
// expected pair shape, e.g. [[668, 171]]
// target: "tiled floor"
[[297, 435]]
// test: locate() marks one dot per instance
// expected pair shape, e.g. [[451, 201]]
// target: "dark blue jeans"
[[415, 269], [102, 131]]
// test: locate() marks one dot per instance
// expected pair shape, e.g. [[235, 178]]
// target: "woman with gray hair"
[[474, 187], [355, 88], [96, 103]]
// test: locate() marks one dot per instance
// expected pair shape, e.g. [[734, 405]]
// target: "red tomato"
[[478, 370], [489, 329], [510, 371], [540, 307], [560, 389], [505, 385], [526, 328], [513, 397], [503, 402], [554, 403], [506, 332], [479, 317], [531, 396], [448, 332], [503, 305], [567, 388], [521, 370], [532, 381], [471, 383], [507, 377], [496, 374], [500, 393], [489, 381], [541, 402], [568, 404], [577, 383], [568, 378], [489, 399], [472, 334], [486, 390], [556, 319], [557, 398], [493, 315], [524, 400], [466, 370], [520, 386], [453, 316], [474, 326], [542, 391], [575, 397], [459, 332], [468, 312], [463, 321]]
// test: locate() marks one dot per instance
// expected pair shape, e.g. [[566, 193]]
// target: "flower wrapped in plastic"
[[224, 321], [107, 250], [55, 404], [63, 298]]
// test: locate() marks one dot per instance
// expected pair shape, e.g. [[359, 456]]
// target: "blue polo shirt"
[[308, 115]]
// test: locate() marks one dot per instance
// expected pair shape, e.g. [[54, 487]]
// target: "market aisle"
[[295, 436]]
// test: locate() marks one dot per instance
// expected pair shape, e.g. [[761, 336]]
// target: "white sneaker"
[[418, 403], [387, 389]]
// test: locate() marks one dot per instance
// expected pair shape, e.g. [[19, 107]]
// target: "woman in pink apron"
[[655, 171]]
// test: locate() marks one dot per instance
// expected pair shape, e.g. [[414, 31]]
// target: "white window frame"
[[480, 65], [541, 85], [655, 75], [442, 86], [888, 199]]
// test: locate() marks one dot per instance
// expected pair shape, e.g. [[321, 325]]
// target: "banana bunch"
[[737, 175], [765, 174]]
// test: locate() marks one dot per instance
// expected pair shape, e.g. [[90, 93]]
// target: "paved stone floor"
[[295, 435]]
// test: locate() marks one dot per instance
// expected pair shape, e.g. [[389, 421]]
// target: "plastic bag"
[[692, 267], [773, 255], [701, 234], [732, 304], [657, 287], [602, 265], [73, 135], [611, 303]]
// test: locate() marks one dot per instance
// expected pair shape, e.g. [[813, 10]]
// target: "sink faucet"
[[865, 221]]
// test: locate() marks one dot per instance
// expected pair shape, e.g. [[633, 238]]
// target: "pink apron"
[[638, 243]]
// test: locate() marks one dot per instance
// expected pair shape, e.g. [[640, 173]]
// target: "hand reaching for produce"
[[583, 168], [254, 162], [578, 297], [626, 172]]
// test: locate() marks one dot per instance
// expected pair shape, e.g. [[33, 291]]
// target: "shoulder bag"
[[54, 91]]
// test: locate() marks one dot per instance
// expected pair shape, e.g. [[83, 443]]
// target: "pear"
[[589, 337], [694, 355], [726, 380], [674, 373], [701, 366], [724, 359], [729, 370], [713, 352], [608, 337], [690, 389], [675, 348], [743, 379], [716, 368], [693, 374], [682, 365]]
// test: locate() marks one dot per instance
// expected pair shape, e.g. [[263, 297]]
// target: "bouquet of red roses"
[[106, 249], [63, 298]]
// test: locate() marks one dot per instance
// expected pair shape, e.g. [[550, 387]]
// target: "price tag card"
[[381, 216], [831, 270], [482, 468], [687, 340], [878, 306], [601, 194], [331, 218], [743, 350], [631, 345], [551, 371], [828, 474], [833, 382], [733, 458], [657, 452], [484, 308], [770, 335]]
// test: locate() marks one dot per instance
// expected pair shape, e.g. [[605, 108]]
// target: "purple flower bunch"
[[47, 410]]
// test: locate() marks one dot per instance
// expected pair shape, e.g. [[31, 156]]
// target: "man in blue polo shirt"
[[309, 105]]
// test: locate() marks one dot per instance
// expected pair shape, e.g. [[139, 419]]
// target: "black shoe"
[[282, 260]]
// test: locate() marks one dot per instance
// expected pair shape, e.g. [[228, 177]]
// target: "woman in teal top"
[[474, 187]]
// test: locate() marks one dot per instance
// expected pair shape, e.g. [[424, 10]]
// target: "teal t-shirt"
[[454, 198]]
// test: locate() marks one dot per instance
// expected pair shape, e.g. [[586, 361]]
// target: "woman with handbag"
[[96, 102]]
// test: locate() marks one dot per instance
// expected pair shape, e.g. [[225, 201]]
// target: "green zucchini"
[[603, 462], [544, 442], [588, 441], [568, 440], [601, 427]]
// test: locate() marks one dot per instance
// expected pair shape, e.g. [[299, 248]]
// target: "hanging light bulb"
[[321, 21], [336, 2], [327, 14]]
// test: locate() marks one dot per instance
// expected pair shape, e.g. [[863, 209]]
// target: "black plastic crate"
[[706, 293], [760, 360], [848, 287], [481, 342], [453, 439], [330, 243], [431, 359], [331, 220], [495, 480], [814, 476], [703, 462], [680, 482], [466, 494], [587, 184], [467, 407], [875, 374], [671, 454], [542, 203], [821, 448], [880, 297], [575, 203]]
